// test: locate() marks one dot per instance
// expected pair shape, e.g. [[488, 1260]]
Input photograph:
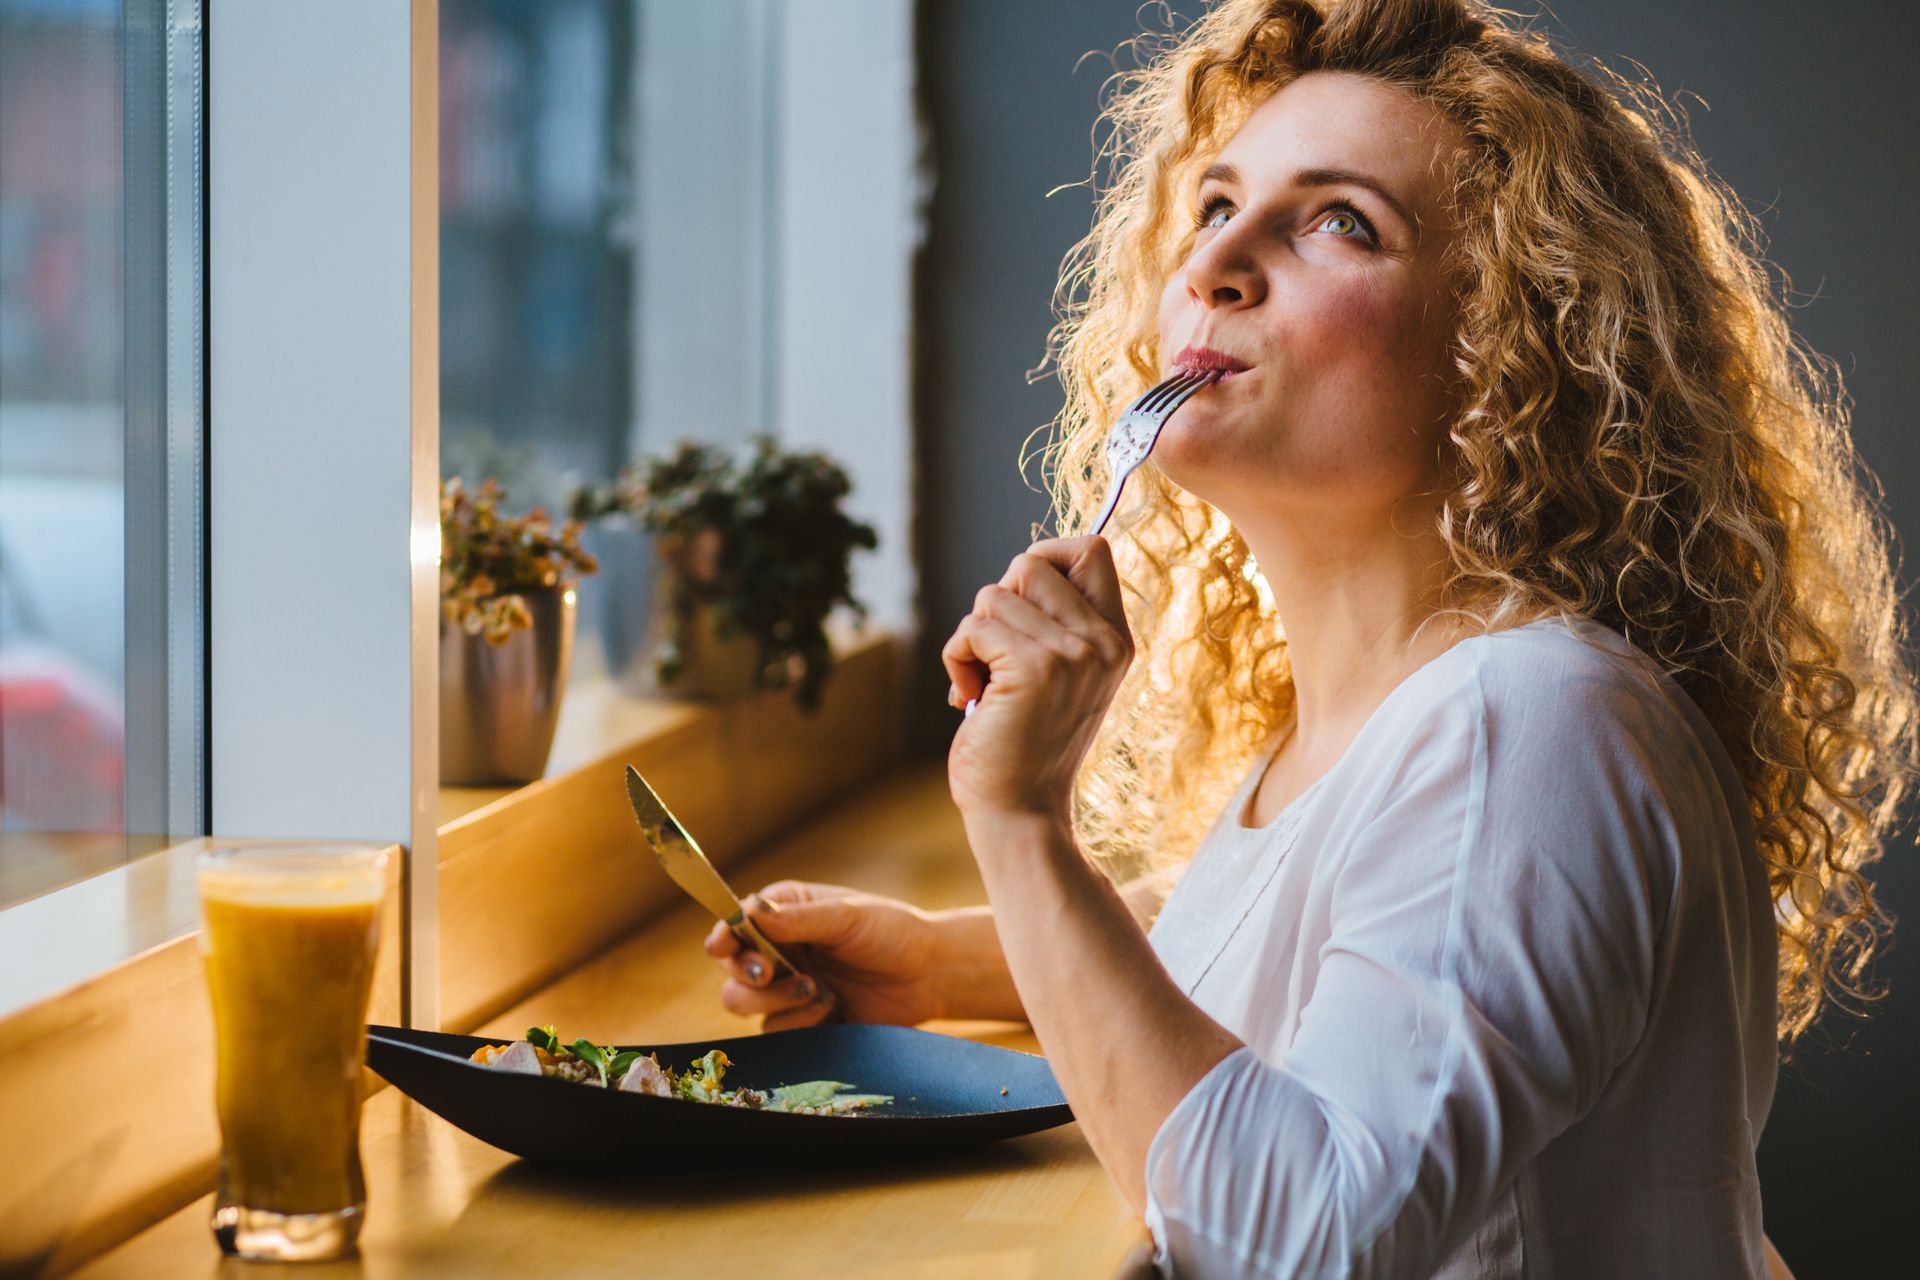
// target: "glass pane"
[[535, 267], [606, 267], [99, 418]]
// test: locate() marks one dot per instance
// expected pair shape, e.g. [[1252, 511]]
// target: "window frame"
[[323, 392], [164, 234], [317, 389]]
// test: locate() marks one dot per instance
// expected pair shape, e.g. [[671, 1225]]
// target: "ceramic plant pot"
[[712, 667], [709, 665]]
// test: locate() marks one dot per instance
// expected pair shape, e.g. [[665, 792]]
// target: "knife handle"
[[743, 928]]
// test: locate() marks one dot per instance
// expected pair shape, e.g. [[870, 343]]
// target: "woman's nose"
[[1221, 275]]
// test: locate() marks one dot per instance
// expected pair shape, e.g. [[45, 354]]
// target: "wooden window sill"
[[535, 880], [106, 1057], [106, 1043]]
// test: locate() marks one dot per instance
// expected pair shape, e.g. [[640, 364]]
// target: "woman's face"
[[1318, 271]]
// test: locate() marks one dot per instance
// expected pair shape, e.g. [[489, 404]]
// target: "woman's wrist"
[[971, 979]]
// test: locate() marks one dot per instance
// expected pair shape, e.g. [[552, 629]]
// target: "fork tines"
[[1182, 383]]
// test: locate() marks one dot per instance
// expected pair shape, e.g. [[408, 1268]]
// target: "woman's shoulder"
[[1564, 663], [1556, 742], [1556, 687], [1568, 663]]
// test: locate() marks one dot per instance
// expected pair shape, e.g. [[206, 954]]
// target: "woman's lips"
[[1208, 358]]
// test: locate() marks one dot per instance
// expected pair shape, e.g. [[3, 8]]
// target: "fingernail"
[[755, 970], [953, 695], [806, 989]]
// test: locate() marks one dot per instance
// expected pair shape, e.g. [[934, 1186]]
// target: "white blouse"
[[1505, 976]]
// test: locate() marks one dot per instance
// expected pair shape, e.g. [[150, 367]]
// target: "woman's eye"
[[1345, 222], [1213, 215], [1217, 212]]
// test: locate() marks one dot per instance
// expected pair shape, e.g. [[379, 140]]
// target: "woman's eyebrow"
[[1323, 178]]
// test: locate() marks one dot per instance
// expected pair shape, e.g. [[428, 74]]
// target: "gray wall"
[[1811, 120]]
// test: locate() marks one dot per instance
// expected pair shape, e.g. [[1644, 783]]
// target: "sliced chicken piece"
[[518, 1056], [646, 1075]]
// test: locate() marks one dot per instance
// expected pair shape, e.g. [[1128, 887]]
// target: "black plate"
[[947, 1091]]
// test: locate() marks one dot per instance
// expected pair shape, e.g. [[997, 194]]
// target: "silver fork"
[[1133, 436]]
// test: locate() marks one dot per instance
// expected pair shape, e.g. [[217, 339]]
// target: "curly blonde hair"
[[1643, 442]]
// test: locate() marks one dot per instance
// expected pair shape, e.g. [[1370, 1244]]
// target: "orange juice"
[[289, 939]]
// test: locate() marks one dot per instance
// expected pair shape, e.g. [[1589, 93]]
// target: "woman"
[[1574, 713]]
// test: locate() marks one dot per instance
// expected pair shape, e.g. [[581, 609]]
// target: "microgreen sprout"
[[589, 1052]]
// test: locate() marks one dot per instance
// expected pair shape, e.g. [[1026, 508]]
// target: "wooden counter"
[[442, 1204], [37, 862], [533, 882]]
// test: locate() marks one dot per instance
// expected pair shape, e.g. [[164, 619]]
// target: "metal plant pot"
[[499, 703]]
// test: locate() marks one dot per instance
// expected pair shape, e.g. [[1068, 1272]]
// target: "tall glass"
[[289, 937]]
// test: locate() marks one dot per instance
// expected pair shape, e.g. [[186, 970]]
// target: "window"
[[192, 347], [536, 260], [102, 688], [665, 221]]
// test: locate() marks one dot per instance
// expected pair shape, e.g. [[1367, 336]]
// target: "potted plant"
[[506, 634], [756, 553]]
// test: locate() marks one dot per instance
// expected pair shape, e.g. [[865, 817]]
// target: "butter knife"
[[687, 867]]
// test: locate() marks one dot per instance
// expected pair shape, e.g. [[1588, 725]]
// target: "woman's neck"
[[1353, 599]]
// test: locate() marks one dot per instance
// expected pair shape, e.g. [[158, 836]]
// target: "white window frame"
[[323, 433]]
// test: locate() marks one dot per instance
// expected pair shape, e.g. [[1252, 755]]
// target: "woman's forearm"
[[1124, 1042], [977, 982], [974, 981]]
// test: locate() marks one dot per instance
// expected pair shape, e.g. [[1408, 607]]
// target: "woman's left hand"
[[1052, 638]]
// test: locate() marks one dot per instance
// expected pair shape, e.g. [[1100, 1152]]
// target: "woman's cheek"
[[1173, 326]]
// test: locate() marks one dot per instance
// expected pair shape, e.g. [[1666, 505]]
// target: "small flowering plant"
[[487, 559]]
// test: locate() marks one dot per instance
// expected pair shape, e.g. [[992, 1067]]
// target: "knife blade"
[[686, 866]]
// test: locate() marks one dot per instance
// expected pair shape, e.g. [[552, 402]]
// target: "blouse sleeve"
[[1488, 965]]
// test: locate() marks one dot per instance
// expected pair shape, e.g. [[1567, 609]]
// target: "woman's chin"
[[1193, 444]]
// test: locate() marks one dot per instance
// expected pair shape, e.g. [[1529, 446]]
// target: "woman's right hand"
[[875, 959]]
